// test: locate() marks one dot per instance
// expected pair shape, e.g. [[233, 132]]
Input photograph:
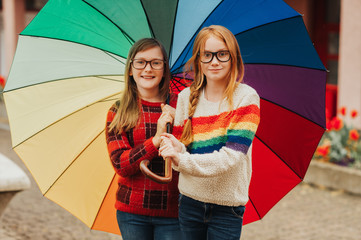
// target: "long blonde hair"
[[128, 112], [200, 81]]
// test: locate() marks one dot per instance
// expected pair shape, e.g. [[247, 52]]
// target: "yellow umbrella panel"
[[57, 123]]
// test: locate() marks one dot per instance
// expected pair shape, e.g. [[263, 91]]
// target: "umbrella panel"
[[76, 149], [284, 132], [295, 93], [271, 175], [285, 42], [76, 21], [282, 151], [130, 18], [106, 219], [26, 106], [82, 187], [43, 60], [46, 159]]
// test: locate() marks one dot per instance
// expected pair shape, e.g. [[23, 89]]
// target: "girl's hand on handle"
[[169, 109], [167, 116], [177, 145], [167, 150]]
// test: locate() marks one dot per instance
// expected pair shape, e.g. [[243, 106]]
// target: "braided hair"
[[194, 66]]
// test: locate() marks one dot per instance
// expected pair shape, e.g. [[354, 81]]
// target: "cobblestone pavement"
[[307, 213]]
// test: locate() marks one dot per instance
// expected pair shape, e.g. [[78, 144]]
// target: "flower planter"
[[334, 177]]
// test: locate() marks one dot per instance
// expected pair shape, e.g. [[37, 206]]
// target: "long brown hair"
[[128, 112], [199, 82]]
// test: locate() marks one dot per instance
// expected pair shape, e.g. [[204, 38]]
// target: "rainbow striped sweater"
[[216, 167]]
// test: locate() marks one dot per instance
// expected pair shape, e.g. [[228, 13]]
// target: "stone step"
[[12, 180], [334, 177]]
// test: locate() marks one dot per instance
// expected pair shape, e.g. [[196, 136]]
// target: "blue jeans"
[[199, 220], [134, 226]]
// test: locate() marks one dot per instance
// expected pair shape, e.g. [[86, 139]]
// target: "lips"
[[148, 77]]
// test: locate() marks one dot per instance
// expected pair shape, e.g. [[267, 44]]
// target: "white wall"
[[349, 77]]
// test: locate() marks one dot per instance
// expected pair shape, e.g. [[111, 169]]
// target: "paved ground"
[[307, 213]]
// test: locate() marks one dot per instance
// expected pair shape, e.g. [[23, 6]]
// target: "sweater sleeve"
[[181, 115], [125, 158], [240, 127]]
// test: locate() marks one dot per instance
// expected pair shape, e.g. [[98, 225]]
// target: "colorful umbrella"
[[68, 70]]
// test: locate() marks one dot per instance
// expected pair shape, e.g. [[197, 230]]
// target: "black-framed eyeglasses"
[[222, 56], [156, 64]]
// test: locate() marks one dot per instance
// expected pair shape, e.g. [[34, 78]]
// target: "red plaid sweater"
[[137, 194]]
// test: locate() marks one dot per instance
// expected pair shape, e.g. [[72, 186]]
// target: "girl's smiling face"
[[215, 70], [148, 79]]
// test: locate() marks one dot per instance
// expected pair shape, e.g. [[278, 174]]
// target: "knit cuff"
[[152, 151], [184, 149]]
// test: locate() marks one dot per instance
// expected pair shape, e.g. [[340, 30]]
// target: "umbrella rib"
[[198, 30], [107, 53], [180, 82], [62, 79], [254, 206], [279, 157], [106, 99], [105, 78], [286, 65], [129, 38], [174, 20], [103, 201], [182, 65], [179, 68], [293, 112], [67, 40], [148, 21], [72, 163], [280, 20], [178, 88], [284, 19]]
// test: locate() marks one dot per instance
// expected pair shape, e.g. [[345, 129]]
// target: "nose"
[[214, 60], [147, 67]]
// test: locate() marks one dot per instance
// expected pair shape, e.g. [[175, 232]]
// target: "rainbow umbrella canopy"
[[68, 71]]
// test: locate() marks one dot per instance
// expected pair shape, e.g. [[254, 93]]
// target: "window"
[[32, 5], [326, 38], [35, 5]]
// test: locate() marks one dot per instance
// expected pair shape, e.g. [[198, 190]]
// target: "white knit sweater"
[[216, 168]]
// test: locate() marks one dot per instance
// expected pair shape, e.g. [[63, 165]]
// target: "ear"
[[130, 72]]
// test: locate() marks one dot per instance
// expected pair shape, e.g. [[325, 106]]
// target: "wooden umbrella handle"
[[167, 169], [156, 178]]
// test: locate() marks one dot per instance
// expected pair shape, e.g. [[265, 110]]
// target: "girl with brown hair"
[[145, 209], [216, 120]]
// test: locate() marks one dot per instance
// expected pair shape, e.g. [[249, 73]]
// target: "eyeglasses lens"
[[141, 64], [222, 56]]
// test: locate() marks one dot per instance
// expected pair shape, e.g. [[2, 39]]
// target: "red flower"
[[2, 81], [336, 123], [354, 135], [354, 113], [343, 111], [323, 150]]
